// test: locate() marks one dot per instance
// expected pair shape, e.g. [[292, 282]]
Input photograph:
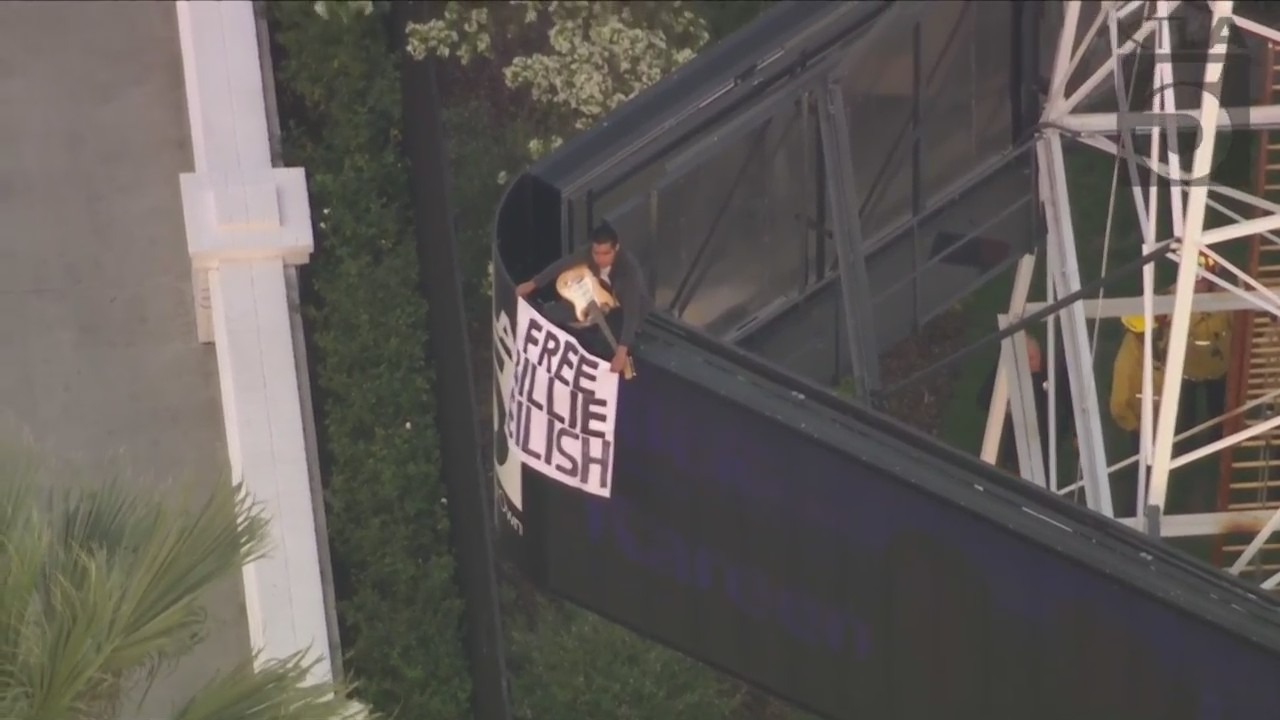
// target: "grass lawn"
[[1089, 174]]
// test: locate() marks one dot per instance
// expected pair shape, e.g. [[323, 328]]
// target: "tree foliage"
[[576, 60], [101, 589]]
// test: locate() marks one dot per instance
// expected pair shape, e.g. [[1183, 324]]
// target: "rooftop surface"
[[101, 356]]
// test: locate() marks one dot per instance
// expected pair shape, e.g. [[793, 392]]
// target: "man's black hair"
[[604, 234]]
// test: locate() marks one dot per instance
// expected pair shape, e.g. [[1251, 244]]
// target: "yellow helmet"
[[1135, 323]]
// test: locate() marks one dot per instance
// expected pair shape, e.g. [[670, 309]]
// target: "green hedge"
[[399, 609], [572, 664]]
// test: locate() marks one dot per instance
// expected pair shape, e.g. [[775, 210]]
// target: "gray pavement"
[[97, 325]]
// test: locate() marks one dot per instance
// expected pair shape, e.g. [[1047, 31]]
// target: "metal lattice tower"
[[1091, 54]]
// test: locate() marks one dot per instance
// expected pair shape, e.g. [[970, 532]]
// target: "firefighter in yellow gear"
[[1126, 377], [1126, 401], [1204, 373]]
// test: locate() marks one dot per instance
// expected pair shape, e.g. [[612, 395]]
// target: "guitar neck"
[[598, 318]]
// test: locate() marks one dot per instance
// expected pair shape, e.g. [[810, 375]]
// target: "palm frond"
[[181, 557], [19, 496], [102, 586], [108, 516], [23, 542], [62, 666], [276, 691]]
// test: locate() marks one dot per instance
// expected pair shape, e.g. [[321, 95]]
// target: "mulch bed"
[[921, 404]]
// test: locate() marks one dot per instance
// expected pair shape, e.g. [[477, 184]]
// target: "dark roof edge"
[[694, 82]]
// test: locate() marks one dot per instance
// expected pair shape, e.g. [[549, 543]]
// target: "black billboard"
[[859, 576], [855, 569]]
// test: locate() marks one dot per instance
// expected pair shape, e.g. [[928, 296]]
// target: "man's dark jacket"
[[626, 282]]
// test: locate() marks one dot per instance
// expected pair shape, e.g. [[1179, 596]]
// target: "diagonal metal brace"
[[846, 226]]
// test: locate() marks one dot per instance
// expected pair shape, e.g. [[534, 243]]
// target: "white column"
[[1180, 320], [1062, 65], [246, 221], [1075, 339], [998, 409]]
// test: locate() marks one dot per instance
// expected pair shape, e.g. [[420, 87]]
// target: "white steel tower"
[[1186, 218]]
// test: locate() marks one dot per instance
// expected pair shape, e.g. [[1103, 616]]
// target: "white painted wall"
[[246, 221]]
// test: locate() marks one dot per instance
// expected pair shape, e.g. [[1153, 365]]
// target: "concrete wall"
[[248, 223]]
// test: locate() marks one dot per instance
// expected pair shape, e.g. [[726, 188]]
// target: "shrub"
[[572, 664], [399, 609]]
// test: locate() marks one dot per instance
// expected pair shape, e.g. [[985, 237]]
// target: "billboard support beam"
[[1016, 368], [855, 291], [998, 409], [1065, 272], [462, 470]]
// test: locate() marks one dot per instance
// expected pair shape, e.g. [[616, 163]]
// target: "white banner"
[[562, 405]]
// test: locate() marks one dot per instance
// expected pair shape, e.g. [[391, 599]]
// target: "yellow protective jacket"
[[1208, 346], [1126, 383]]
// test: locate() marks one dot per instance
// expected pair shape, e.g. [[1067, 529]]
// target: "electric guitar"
[[590, 301]]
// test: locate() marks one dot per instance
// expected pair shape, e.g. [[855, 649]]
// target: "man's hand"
[[524, 288], [619, 359]]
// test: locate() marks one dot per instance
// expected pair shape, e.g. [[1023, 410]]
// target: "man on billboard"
[[618, 274]]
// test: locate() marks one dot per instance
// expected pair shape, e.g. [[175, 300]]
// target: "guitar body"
[[572, 284], [581, 289]]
